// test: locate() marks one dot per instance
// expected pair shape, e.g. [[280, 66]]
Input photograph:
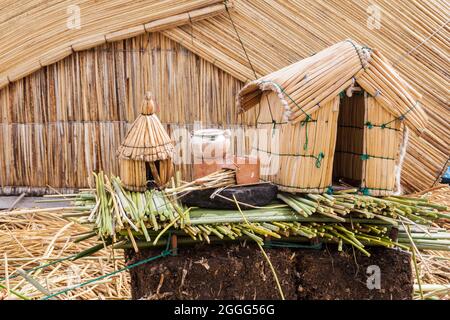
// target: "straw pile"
[[434, 269], [278, 33], [29, 241]]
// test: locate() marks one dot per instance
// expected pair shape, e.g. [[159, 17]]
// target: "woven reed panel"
[[277, 33], [67, 120], [382, 146]]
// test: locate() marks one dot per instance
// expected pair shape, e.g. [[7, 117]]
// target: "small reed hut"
[[145, 156], [341, 114]]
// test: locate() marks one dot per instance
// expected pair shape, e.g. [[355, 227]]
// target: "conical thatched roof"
[[147, 140], [305, 86]]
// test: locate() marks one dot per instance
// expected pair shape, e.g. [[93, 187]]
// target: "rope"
[[304, 122], [364, 156], [239, 38], [166, 252], [280, 88], [358, 52], [402, 116], [318, 158], [370, 125], [248, 59], [330, 190], [402, 57]]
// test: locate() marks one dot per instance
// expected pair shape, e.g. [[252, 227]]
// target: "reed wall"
[[298, 158], [381, 148], [67, 119]]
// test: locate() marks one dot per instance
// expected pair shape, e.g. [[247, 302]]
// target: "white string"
[[420, 44]]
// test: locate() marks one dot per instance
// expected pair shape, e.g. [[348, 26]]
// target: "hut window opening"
[[348, 161]]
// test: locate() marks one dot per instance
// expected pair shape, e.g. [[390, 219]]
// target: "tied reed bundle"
[[219, 179]]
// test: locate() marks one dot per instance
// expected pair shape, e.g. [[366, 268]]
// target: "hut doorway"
[[348, 164]]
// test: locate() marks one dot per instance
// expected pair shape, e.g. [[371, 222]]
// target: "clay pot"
[[210, 144]]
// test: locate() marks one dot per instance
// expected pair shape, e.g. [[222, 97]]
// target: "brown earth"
[[239, 271]]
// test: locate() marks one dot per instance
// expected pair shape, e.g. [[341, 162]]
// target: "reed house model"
[[342, 114], [145, 155]]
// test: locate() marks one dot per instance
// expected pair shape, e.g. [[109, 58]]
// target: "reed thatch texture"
[[39, 33], [68, 119], [350, 139], [277, 33], [297, 158], [133, 174], [303, 87], [382, 146], [147, 140]]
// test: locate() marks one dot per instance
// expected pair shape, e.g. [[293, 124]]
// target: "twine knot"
[[319, 158], [364, 156], [365, 191], [329, 190]]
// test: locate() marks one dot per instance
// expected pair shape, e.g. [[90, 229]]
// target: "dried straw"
[[42, 238]]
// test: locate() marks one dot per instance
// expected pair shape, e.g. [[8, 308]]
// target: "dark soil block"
[[237, 271], [255, 195]]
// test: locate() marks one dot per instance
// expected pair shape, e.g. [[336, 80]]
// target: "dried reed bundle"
[[116, 213], [219, 179]]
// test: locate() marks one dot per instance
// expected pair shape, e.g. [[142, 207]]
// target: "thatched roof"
[[147, 140], [34, 34], [303, 87]]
